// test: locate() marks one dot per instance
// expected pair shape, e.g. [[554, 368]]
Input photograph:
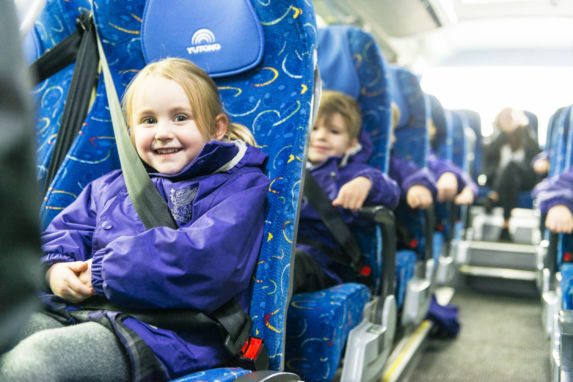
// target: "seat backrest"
[[350, 61], [533, 123], [461, 152], [412, 140], [473, 120], [441, 143], [268, 87], [557, 146], [93, 153]]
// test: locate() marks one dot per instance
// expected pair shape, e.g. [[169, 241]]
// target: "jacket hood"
[[217, 156], [366, 148]]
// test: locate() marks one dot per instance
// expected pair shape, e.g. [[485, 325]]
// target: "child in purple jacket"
[[452, 183], [215, 187], [349, 183], [556, 201], [417, 185]]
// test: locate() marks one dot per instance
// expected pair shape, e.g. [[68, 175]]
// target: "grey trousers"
[[51, 351]]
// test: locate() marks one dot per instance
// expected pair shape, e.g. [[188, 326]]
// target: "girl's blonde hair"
[[333, 102], [201, 90]]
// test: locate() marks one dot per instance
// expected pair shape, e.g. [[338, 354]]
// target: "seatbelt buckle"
[[365, 271], [253, 355], [234, 346]]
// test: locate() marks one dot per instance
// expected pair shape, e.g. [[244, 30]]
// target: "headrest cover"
[[222, 37], [335, 64]]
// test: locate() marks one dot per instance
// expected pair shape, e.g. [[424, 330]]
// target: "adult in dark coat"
[[508, 154]]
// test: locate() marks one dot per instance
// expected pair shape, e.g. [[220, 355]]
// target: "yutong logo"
[[203, 41]]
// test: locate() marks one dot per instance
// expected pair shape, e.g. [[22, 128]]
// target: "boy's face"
[[329, 139], [165, 134]]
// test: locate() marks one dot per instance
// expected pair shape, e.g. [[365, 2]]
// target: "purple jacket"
[[207, 261], [331, 176], [440, 166], [557, 190], [407, 174]]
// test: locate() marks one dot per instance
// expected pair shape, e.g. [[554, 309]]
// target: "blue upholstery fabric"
[[405, 268], [533, 123], [441, 143], [474, 122], [412, 138], [460, 149], [567, 286], [557, 144], [93, 153], [412, 141], [336, 311], [214, 375], [350, 61]]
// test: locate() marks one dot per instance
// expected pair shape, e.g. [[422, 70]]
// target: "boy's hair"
[[336, 102], [201, 91]]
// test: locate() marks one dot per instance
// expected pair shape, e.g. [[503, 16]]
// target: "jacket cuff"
[[97, 277], [556, 202]]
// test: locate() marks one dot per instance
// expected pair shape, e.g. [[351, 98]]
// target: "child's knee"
[[30, 360]]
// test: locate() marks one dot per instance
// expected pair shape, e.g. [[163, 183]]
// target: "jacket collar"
[[215, 157]]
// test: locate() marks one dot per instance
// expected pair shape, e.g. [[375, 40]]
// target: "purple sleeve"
[[384, 191], [557, 190], [407, 174], [541, 155], [68, 237], [199, 266]]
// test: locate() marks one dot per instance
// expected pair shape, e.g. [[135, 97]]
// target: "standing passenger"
[[507, 163]]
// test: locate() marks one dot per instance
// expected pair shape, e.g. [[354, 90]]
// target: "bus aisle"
[[501, 339]]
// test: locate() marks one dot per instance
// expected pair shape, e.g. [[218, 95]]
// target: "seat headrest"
[[335, 62], [222, 37]]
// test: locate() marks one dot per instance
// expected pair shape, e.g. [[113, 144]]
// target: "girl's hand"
[[559, 219], [353, 194], [64, 280], [86, 276], [419, 196], [447, 186], [541, 166], [465, 197]]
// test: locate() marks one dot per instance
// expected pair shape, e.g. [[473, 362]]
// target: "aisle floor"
[[501, 339]]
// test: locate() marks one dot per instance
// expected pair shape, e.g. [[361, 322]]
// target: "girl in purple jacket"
[[348, 181], [215, 186]]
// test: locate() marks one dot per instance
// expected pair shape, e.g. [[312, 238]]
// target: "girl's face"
[[329, 139], [165, 134]]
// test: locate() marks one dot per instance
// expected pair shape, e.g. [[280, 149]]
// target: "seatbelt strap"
[[57, 58], [79, 94], [154, 212], [149, 204], [332, 219]]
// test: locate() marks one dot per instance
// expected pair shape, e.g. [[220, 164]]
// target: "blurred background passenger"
[[508, 154], [19, 203]]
